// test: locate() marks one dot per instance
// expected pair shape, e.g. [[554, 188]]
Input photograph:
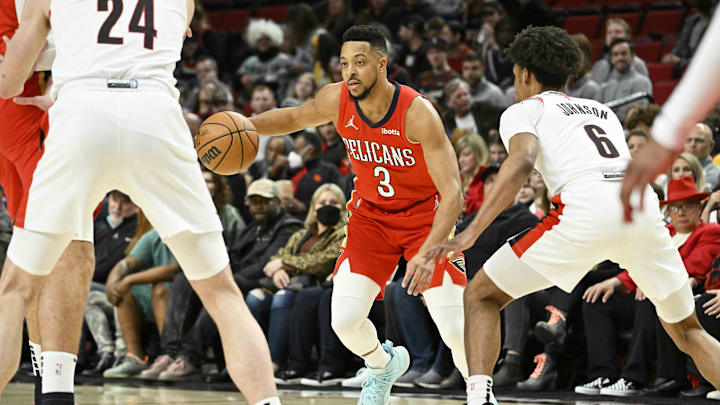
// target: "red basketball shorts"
[[376, 239], [18, 162]]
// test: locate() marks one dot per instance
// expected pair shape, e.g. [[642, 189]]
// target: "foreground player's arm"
[[25, 48], [282, 121], [423, 125], [696, 95]]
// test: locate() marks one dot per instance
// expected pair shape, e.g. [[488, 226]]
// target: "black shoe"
[[287, 377], [509, 373], [106, 361], [554, 330], [322, 379], [698, 392], [666, 387], [221, 377], [543, 378]]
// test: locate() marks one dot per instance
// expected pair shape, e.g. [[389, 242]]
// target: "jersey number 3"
[[384, 188], [603, 144], [144, 8]]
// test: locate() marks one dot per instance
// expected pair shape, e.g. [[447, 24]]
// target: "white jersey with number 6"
[[577, 138], [117, 39]]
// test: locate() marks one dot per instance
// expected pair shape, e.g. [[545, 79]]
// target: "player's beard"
[[364, 93]]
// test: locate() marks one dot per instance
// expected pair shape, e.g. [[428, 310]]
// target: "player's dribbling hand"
[[652, 160], [418, 274]]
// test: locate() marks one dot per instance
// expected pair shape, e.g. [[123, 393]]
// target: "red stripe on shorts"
[[551, 219]]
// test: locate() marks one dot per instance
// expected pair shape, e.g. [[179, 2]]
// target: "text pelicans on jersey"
[[369, 151]]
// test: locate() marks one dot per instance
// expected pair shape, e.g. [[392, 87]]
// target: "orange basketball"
[[226, 143]]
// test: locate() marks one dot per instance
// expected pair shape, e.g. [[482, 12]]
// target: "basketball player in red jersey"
[[407, 198], [59, 304]]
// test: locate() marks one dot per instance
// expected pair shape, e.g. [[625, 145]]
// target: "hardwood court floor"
[[119, 394]]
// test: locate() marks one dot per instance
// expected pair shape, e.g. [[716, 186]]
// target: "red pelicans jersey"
[[16, 120], [390, 170]]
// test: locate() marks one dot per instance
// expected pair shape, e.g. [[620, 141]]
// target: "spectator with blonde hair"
[[473, 156], [302, 90], [306, 260], [603, 70]]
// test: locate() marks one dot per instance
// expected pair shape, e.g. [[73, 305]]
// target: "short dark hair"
[[457, 28], [637, 132], [617, 41], [645, 114], [548, 52], [367, 33], [473, 56]]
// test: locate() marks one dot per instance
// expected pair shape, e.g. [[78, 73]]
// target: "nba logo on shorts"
[[58, 369]]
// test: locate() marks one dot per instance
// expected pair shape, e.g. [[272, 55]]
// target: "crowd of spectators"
[[284, 219]]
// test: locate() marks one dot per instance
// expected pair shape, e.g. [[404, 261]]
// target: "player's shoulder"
[[529, 107]]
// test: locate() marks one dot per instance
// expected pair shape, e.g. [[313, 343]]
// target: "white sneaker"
[[356, 382], [593, 387], [621, 388], [714, 395]]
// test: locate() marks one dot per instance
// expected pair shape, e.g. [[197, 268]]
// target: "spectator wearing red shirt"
[[473, 158]]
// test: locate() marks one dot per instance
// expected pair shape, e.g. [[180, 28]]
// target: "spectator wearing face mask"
[[306, 260]]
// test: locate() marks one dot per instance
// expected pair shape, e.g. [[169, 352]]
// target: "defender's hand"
[[453, 248], [652, 160]]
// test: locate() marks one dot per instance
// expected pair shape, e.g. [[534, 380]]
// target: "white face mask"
[[112, 224]]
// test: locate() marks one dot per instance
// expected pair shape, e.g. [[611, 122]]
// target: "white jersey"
[[117, 39], [578, 138]]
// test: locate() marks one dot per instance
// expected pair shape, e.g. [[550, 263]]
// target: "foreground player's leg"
[[353, 296], [445, 304], [203, 257], [483, 302], [688, 334], [17, 290], [246, 350], [60, 312]]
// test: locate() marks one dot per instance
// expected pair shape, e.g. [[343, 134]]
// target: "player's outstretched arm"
[[696, 95], [24, 48], [282, 121], [423, 125], [523, 149]]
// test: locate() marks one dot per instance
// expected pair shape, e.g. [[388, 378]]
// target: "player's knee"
[[17, 284], [344, 322], [481, 288]]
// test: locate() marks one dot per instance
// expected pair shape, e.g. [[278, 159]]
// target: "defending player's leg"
[[483, 302], [24, 273], [353, 296], [60, 312], [17, 289], [204, 260], [445, 304]]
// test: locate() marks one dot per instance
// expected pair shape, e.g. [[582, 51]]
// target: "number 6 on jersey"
[[384, 189]]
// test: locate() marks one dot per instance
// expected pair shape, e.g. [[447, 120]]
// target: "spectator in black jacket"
[[269, 230], [112, 235]]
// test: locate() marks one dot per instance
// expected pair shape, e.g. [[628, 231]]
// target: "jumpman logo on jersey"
[[351, 124]]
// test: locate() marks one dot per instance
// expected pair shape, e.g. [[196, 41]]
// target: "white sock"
[[36, 358], [479, 389], [270, 401], [58, 372], [377, 358]]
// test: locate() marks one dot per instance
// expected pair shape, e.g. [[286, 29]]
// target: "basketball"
[[226, 143]]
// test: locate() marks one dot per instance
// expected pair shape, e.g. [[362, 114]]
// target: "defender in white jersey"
[[117, 124], [578, 145]]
